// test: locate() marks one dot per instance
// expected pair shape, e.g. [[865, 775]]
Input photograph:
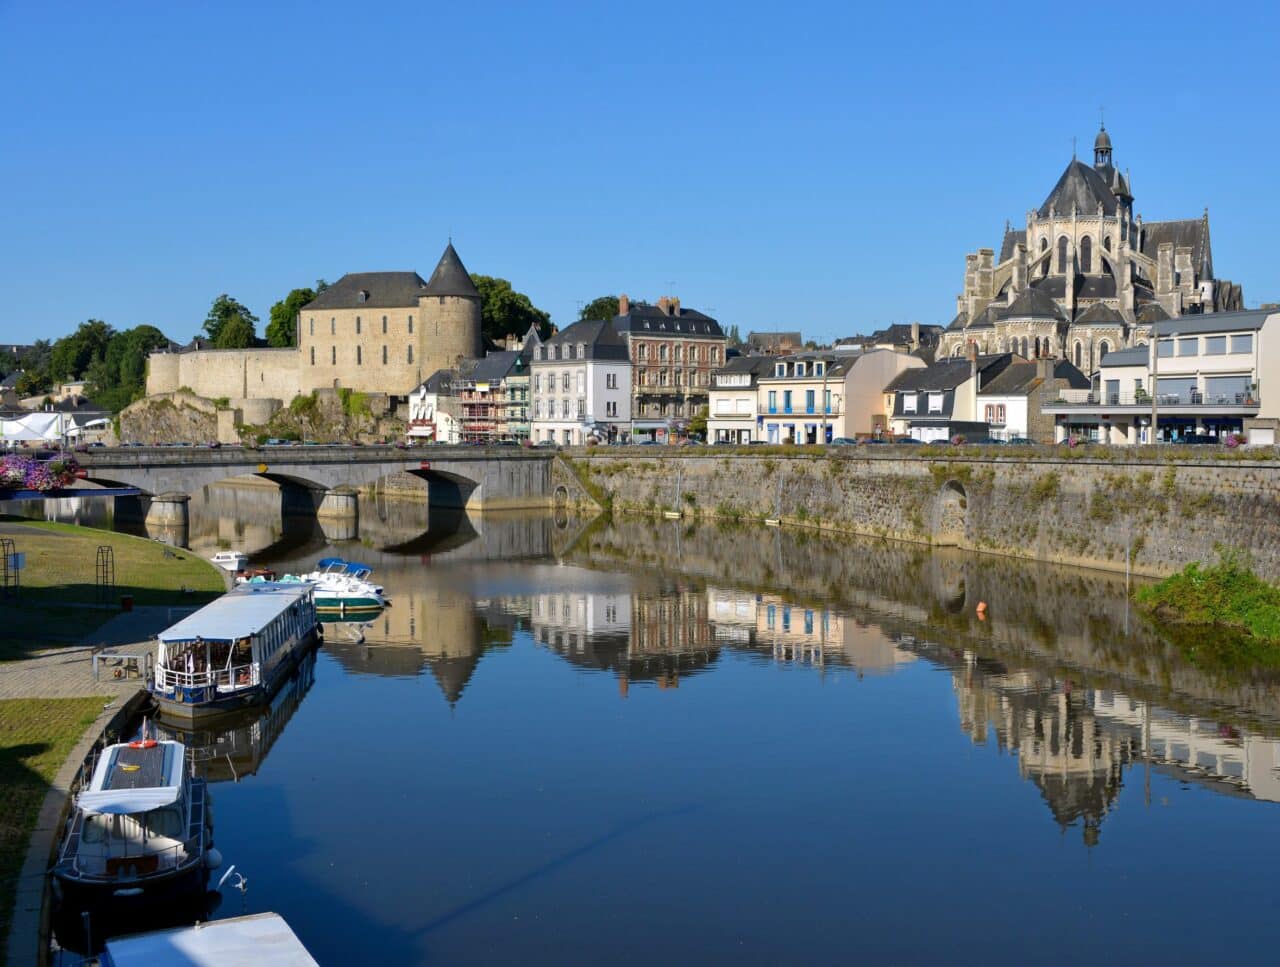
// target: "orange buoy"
[[143, 744]]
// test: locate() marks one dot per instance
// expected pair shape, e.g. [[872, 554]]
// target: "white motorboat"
[[342, 586], [232, 561]]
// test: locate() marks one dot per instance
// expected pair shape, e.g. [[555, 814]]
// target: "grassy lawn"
[[36, 736], [61, 562]]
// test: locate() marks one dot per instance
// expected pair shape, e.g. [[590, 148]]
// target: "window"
[[537, 382], [611, 409], [1165, 349], [780, 369], [312, 328], [384, 325], [564, 408], [1189, 346], [384, 354], [662, 353], [679, 353], [1062, 254], [1079, 352], [1104, 347], [537, 409], [1242, 343], [582, 407], [643, 351], [935, 402], [1215, 345], [333, 326], [773, 401], [610, 380], [819, 369], [908, 402], [715, 354], [357, 325], [1106, 243], [990, 413], [333, 355], [1086, 254], [410, 352], [582, 382], [799, 369], [359, 356], [786, 401], [411, 323], [808, 400], [313, 355]]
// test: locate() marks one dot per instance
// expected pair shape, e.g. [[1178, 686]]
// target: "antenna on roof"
[[1073, 147], [1102, 117]]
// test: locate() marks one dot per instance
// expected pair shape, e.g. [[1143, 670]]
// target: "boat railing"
[[108, 866], [224, 679]]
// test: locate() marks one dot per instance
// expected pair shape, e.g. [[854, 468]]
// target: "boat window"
[[96, 828], [165, 822]]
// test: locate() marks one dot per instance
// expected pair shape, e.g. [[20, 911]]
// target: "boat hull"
[[193, 704], [346, 605]]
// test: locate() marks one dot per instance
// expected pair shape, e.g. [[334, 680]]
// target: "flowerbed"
[[18, 472]]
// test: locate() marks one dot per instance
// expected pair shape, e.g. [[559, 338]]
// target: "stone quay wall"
[[1091, 510]]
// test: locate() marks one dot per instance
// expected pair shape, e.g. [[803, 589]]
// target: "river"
[[645, 740]]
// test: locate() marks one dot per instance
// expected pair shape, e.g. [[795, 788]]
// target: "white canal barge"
[[235, 651]]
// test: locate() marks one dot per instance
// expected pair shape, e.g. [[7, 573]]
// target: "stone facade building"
[[1085, 275], [674, 351], [378, 332]]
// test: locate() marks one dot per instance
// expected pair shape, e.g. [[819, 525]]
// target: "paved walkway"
[[67, 672]]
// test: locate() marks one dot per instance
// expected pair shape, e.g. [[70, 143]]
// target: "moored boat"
[[140, 838], [235, 651], [256, 938], [232, 561], [342, 587]]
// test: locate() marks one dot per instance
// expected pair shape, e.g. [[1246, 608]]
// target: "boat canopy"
[[135, 778], [240, 613], [332, 562], [256, 938]]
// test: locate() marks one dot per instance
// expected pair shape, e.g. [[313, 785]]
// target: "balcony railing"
[[1187, 398]]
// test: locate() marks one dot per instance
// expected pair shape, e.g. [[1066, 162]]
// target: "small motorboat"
[[342, 587], [232, 561], [141, 835]]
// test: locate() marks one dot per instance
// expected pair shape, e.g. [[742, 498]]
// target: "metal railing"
[[1186, 398], [224, 679]]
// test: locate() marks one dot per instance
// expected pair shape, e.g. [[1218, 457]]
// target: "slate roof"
[[1021, 378], [1082, 187], [943, 376], [495, 366], [1135, 356], [1151, 312], [1250, 319], [1011, 240], [748, 364], [1033, 304], [1100, 314], [651, 320], [451, 277], [1190, 232], [10, 381], [599, 339], [959, 322], [440, 382], [1095, 287], [900, 334], [382, 290]]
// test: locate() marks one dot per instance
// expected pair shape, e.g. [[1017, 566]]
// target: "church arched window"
[[1106, 243], [1024, 347], [1104, 347], [1079, 351], [1062, 255], [1086, 254]]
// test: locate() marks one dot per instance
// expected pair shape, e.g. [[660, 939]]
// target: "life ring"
[[143, 744]]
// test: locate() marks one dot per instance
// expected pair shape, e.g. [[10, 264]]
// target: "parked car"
[[1020, 441], [989, 441], [844, 441], [908, 439]]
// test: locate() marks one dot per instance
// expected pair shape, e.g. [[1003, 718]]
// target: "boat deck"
[[137, 768]]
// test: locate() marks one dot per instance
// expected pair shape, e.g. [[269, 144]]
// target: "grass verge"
[[36, 736]]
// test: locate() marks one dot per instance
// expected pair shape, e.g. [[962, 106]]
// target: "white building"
[[1213, 375], [581, 385], [435, 410], [732, 409]]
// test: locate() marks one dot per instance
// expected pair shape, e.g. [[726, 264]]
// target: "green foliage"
[[120, 377], [220, 313], [281, 328], [1224, 595], [71, 356], [306, 405], [235, 333], [354, 404], [505, 311], [605, 307], [698, 422], [1045, 488], [732, 338]]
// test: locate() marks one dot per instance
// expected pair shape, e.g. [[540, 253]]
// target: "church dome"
[[1103, 141]]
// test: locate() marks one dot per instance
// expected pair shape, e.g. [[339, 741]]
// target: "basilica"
[[1086, 275]]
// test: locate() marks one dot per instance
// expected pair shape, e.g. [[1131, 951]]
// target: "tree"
[[698, 423], [71, 356], [120, 377], [605, 307], [504, 311], [732, 338], [223, 308], [282, 329], [235, 333], [32, 382]]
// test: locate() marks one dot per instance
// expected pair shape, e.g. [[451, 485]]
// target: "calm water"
[[645, 741]]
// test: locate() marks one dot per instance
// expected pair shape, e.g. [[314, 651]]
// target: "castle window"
[[384, 354], [1079, 355], [411, 324], [410, 352], [333, 326], [363, 296], [359, 357], [312, 331], [1062, 254], [313, 355], [357, 325], [1086, 254], [442, 300], [333, 355], [384, 325]]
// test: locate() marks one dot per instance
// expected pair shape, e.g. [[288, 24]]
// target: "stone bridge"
[[326, 478]]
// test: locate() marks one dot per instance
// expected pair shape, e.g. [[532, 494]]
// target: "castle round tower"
[[449, 307]]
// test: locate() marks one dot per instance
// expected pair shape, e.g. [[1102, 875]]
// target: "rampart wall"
[[236, 374]]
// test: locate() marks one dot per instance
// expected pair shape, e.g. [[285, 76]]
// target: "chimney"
[[1044, 368], [624, 304], [915, 335], [675, 305], [973, 364], [664, 305]]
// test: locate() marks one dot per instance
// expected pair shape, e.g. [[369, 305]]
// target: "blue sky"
[[810, 166]]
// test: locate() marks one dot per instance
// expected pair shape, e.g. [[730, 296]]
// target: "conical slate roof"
[[1100, 314], [1033, 304], [1082, 187], [451, 277]]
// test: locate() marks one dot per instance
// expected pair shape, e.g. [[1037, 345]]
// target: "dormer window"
[[582, 350], [819, 368], [799, 369], [780, 369], [363, 296], [646, 323]]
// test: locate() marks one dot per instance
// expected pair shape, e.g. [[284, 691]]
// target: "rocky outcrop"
[[179, 417]]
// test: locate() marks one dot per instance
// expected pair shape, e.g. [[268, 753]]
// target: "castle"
[[377, 332], [1086, 275]]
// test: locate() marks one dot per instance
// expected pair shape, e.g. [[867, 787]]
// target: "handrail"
[[225, 679], [1188, 398]]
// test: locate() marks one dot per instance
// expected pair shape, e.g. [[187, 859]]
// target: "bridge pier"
[[339, 514], [168, 519]]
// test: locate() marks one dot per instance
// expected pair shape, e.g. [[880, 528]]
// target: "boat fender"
[[213, 859], [143, 744]]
